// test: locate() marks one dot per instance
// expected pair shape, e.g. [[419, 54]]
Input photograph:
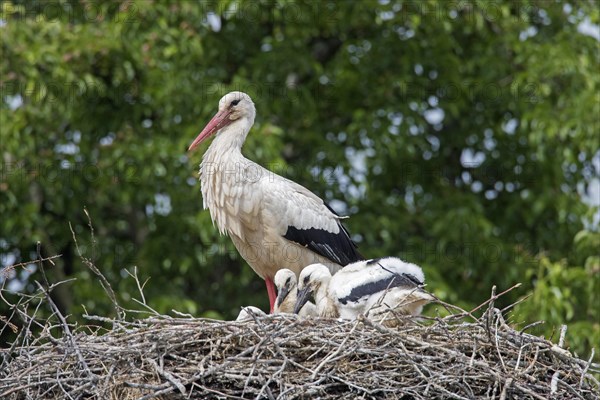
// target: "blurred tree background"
[[462, 136]]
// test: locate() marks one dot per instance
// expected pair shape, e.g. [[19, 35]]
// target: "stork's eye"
[[235, 102]]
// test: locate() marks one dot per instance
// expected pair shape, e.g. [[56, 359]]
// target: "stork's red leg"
[[272, 293]]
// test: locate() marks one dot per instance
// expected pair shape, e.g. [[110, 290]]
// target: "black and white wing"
[[303, 218], [358, 286]]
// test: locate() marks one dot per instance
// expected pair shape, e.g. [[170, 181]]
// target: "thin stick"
[[103, 281], [494, 298], [563, 333], [4, 271]]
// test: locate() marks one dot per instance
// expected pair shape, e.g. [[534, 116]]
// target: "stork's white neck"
[[220, 169], [229, 139]]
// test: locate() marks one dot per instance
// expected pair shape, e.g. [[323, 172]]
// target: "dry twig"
[[276, 356], [281, 356]]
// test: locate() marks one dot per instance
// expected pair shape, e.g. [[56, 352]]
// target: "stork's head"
[[312, 279], [285, 281], [235, 108]]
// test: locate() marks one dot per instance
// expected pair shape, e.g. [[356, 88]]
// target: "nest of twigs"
[[281, 356], [459, 356]]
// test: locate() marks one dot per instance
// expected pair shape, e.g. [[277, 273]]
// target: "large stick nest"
[[458, 356], [281, 356]]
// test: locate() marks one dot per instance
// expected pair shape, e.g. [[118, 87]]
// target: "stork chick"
[[373, 286], [248, 312]]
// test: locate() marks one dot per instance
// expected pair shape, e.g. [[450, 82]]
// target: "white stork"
[[286, 284], [371, 286], [271, 220]]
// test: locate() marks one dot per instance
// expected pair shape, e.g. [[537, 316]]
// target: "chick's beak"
[[304, 295], [282, 295]]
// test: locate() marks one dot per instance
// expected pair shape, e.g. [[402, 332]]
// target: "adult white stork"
[[287, 289], [272, 221], [365, 287]]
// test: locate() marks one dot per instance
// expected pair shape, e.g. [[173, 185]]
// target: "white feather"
[[361, 273], [249, 312], [334, 296]]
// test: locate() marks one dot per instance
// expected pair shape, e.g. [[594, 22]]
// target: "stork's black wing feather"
[[337, 247], [393, 280]]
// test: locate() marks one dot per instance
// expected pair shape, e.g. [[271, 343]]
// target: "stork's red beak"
[[220, 120]]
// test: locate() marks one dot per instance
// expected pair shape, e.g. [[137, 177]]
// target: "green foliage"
[[100, 100], [568, 294]]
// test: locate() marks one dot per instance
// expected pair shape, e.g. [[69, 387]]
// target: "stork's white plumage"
[[371, 286], [286, 284], [272, 221], [249, 312]]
